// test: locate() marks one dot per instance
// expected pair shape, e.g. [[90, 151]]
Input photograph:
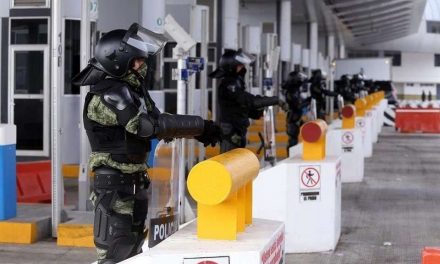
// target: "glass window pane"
[[29, 123], [29, 31], [71, 55], [29, 72], [31, 3], [168, 81]]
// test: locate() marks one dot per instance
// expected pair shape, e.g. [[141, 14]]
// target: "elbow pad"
[[265, 101], [179, 126], [147, 126]]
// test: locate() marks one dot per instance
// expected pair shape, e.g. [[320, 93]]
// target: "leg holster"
[[120, 212]]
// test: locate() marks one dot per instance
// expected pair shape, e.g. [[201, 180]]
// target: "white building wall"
[[71, 9], [415, 90], [111, 15], [416, 68]]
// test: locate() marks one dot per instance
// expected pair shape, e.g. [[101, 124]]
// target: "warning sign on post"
[[310, 183], [347, 141], [360, 123], [209, 260]]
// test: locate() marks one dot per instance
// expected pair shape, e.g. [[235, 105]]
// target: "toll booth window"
[[29, 31], [71, 55], [437, 60], [396, 55], [29, 72], [168, 81], [31, 3], [433, 27], [29, 123]]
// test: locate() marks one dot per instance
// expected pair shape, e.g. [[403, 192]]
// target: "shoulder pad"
[[118, 97], [122, 102]]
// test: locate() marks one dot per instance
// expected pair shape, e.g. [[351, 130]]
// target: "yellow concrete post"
[[313, 135], [348, 117], [361, 107], [248, 213], [369, 100], [222, 187]]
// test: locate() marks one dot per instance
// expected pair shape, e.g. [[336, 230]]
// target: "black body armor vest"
[[123, 146]]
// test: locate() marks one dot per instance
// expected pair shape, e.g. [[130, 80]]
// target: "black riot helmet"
[[316, 75], [229, 61], [295, 80], [117, 48]]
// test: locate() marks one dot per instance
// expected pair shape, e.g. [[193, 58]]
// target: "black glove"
[[211, 134], [283, 105]]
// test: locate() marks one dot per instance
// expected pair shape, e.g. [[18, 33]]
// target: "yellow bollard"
[[370, 102], [361, 107], [222, 187], [376, 98], [348, 117], [313, 135]]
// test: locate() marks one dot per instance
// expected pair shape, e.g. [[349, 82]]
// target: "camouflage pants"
[[119, 221]]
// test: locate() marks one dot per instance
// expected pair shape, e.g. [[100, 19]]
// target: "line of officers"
[[121, 119], [237, 105]]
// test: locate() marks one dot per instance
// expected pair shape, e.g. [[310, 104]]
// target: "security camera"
[[183, 39]]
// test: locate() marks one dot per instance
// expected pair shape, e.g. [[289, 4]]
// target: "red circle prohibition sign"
[[347, 137], [310, 177], [207, 262]]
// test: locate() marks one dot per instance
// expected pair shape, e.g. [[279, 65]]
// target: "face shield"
[[244, 57], [144, 40], [302, 77]]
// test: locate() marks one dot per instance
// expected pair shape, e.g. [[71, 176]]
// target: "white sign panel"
[[209, 260]]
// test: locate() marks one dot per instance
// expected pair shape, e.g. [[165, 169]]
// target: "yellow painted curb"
[[18, 232], [70, 170], [279, 138], [75, 235]]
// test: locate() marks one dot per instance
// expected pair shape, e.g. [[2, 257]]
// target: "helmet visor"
[[244, 57], [144, 39]]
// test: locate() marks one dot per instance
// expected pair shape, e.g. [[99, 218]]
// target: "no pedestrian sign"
[[310, 183], [347, 141], [310, 177]]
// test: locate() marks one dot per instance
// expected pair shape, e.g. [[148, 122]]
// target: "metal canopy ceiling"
[[373, 21]]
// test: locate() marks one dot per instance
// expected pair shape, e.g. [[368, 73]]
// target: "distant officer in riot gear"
[[120, 118], [235, 104], [343, 86], [318, 92], [358, 84], [296, 101]]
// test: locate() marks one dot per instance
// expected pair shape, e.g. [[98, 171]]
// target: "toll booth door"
[[29, 98]]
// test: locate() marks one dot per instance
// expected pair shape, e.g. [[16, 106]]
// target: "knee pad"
[[113, 231]]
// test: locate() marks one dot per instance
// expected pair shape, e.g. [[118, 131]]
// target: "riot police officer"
[[293, 90], [236, 105], [318, 92], [120, 118], [344, 88]]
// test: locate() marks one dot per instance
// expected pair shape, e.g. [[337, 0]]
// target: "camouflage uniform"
[[100, 113]]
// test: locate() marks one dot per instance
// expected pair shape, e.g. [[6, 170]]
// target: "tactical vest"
[[123, 146]]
